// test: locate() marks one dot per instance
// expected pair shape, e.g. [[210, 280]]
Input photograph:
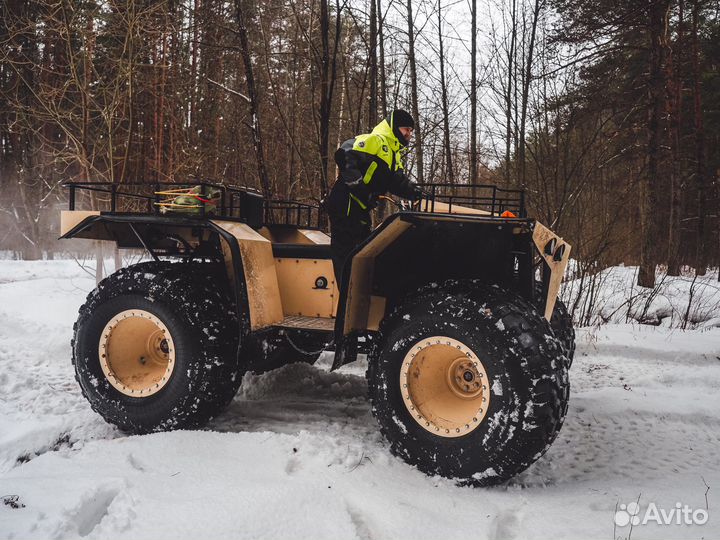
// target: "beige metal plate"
[[358, 305], [299, 296], [69, 219], [541, 236], [445, 208], [260, 275], [309, 323]]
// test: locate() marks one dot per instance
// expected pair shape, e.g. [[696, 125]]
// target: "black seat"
[[301, 251]]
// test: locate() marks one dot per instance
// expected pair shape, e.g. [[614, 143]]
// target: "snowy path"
[[298, 454]]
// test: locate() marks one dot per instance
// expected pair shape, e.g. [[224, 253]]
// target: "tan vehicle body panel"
[[285, 287], [359, 306], [261, 280], [299, 296], [71, 218], [365, 311], [280, 287], [445, 208], [541, 236]]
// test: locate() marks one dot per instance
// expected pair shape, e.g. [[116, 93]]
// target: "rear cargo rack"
[[244, 204]]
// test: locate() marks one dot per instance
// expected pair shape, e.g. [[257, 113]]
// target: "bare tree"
[[414, 91], [650, 186], [510, 88], [473, 92], [328, 78], [700, 173], [445, 108], [373, 61], [381, 42], [674, 106], [255, 125], [527, 79]]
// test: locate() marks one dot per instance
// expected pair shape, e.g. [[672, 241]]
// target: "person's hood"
[[385, 129]]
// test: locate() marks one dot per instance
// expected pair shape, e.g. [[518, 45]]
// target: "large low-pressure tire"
[[468, 382], [155, 347], [561, 322]]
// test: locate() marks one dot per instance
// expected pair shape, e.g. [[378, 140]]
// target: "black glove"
[[421, 194]]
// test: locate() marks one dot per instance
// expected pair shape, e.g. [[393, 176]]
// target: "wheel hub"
[[137, 353], [444, 386], [464, 379]]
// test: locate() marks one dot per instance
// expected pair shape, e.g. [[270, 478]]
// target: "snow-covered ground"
[[298, 454]]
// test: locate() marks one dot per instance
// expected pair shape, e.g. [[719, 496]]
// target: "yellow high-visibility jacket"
[[370, 165]]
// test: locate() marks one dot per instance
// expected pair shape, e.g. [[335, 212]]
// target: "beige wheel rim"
[[444, 386], [137, 353]]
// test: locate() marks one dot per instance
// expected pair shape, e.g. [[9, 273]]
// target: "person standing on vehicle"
[[369, 165]]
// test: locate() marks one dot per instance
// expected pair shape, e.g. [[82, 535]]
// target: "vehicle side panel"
[[260, 277], [554, 265], [307, 286], [69, 219]]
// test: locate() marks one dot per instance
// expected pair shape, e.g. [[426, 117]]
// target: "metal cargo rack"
[[234, 202], [487, 197], [247, 204]]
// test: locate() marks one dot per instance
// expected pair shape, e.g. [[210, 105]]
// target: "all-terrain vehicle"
[[452, 301]]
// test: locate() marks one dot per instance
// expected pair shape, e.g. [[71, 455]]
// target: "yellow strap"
[[354, 198], [183, 191], [173, 205], [369, 173]]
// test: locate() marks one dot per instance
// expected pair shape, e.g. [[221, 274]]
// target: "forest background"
[[606, 112]]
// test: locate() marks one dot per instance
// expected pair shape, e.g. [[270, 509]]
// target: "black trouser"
[[346, 232]]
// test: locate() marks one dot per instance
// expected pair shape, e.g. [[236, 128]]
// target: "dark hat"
[[400, 118]]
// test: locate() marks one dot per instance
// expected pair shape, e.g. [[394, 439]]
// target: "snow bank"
[[613, 296]]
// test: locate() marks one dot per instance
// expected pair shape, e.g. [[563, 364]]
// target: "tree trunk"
[[252, 95], [445, 107], [649, 184], [372, 58], [511, 82], [328, 75], [383, 209], [161, 111], [343, 90], [526, 91], [381, 39], [473, 94], [674, 111], [700, 175], [414, 91]]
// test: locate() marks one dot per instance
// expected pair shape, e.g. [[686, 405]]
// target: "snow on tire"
[[562, 324], [155, 347], [469, 382]]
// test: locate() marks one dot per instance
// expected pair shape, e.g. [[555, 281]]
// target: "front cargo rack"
[[487, 197]]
